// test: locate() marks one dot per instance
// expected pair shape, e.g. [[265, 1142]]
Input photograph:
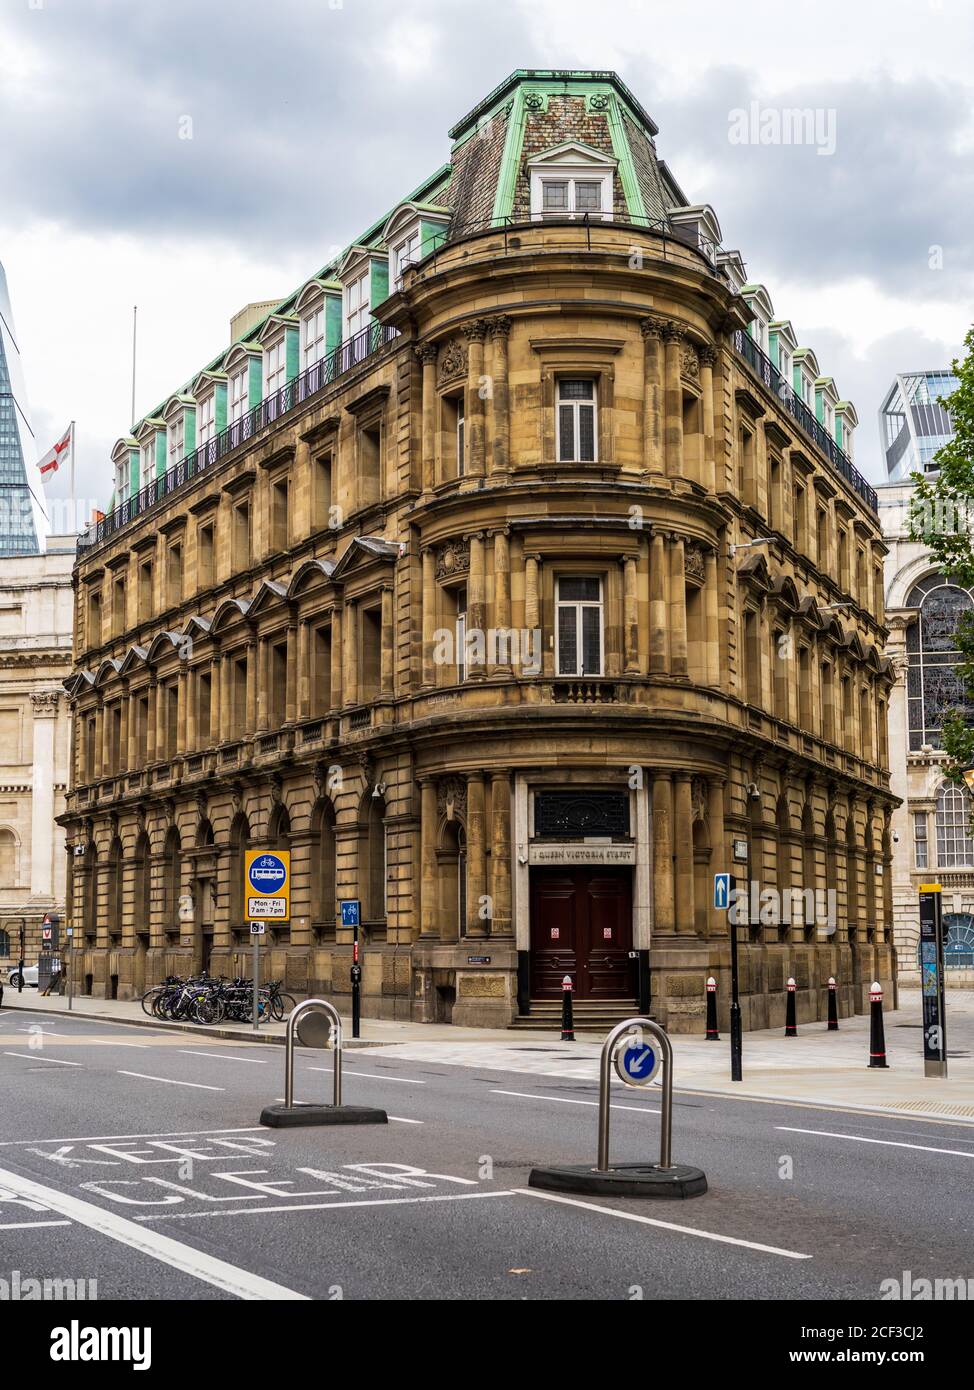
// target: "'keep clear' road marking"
[[664, 1225], [168, 1081], [564, 1100], [239, 1282], [887, 1143]]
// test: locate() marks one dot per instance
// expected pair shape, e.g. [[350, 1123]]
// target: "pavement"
[[134, 1157], [817, 1067]]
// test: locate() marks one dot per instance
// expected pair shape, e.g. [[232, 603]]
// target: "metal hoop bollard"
[[322, 1028], [662, 1180]]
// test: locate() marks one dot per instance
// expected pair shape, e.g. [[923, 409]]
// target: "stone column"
[[652, 330], [291, 678], [162, 721], [708, 359], [181, 712], [711, 617], [429, 616], [336, 696], [99, 740], [502, 599], [387, 656], [630, 615], [226, 697], [500, 329], [133, 733], [673, 402], [215, 697], [500, 853], [678, 608], [429, 906], [476, 602], [122, 761], [475, 333], [304, 669], [663, 900], [717, 919], [263, 684], [427, 354], [476, 855], [253, 678], [532, 606], [683, 835], [658, 587], [351, 652], [189, 702], [44, 707]]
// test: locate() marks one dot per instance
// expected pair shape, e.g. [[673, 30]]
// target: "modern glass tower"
[[21, 518], [912, 425]]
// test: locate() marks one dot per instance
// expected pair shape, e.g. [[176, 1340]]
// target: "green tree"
[[942, 517]]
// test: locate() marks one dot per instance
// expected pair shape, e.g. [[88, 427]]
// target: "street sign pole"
[[69, 963], [356, 988], [724, 885], [932, 981], [255, 971]]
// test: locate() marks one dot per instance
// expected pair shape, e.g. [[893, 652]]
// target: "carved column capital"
[[476, 331], [499, 327], [427, 353]]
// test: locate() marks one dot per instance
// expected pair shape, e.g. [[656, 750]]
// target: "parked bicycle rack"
[[636, 1063], [316, 1024]]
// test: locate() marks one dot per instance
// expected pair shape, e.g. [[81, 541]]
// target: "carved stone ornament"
[[367, 764], [201, 807], [707, 355], [694, 562], [453, 559], [698, 799], [451, 797], [652, 327], [534, 101], [453, 361], [690, 366], [276, 789], [321, 780], [598, 101], [45, 702], [236, 799]]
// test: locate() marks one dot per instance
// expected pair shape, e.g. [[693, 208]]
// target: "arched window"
[[955, 847], [376, 865], [8, 859], [142, 886], [239, 842], [933, 686], [323, 882], [172, 875]]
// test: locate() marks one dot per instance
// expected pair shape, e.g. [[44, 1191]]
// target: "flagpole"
[[74, 500], [135, 324]]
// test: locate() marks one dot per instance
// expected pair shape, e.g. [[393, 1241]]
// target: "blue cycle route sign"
[[351, 912], [637, 1062]]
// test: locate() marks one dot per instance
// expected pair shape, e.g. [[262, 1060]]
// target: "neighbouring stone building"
[[932, 839], [515, 575]]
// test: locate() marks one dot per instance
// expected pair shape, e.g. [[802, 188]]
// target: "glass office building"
[[20, 516], [913, 424]]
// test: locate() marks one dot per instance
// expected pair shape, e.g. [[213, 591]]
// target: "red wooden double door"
[[581, 925]]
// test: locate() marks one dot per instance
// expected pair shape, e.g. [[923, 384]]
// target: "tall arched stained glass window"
[[955, 847], [933, 687]]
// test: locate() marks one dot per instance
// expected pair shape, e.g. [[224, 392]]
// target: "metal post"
[[666, 1112], [712, 1034], [356, 988], [69, 962], [567, 1019], [312, 1006], [833, 1006], [791, 1024], [736, 1034], [877, 1034], [256, 981]]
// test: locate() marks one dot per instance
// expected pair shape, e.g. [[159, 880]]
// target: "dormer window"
[[122, 480], [239, 393], [411, 232], [176, 441], [148, 461], [275, 366], [206, 418], [313, 336], [404, 253], [572, 181], [357, 303]]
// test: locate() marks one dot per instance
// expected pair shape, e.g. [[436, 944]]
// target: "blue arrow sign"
[[722, 891], [350, 912], [637, 1063]]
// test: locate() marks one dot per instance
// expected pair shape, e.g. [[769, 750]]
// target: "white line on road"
[[564, 1100], [665, 1225], [31, 1225], [196, 1263], [328, 1206], [196, 1085], [38, 1056], [371, 1075], [887, 1143], [157, 1134], [225, 1057]]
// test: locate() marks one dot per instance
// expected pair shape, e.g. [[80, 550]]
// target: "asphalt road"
[[135, 1158]]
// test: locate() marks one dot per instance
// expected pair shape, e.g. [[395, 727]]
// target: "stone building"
[[36, 611], [513, 573], [932, 839]]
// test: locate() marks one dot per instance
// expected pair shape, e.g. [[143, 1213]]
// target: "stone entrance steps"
[[589, 1015]]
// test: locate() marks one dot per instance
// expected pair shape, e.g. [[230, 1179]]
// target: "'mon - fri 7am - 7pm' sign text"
[[267, 885]]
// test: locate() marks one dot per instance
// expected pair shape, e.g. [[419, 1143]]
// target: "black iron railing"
[[763, 368], [273, 407]]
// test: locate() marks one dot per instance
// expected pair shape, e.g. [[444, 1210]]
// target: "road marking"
[[196, 1085], [196, 1263], [371, 1075], [329, 1206], [564, 1100], [38, 1056], [887, 1143], [109, 1138], [401, 1120], [225, 1057], [30, 1225], [664, 1225]]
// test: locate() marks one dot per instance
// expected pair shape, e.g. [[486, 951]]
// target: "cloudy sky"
[[311, 118]]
